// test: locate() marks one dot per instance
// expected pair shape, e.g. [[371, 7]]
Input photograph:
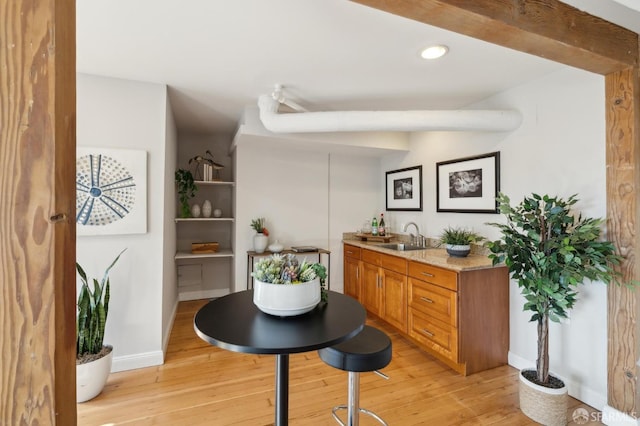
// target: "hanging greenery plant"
[[186, 190]]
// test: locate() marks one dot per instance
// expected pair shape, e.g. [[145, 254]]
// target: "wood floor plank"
[[204, 385]]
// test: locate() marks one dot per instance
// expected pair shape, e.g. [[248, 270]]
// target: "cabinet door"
[[371, 288], [352, 277], [394, 299]]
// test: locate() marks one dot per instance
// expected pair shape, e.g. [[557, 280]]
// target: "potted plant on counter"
[[550, 251], [93, 357], [284, 286], [458, 241]]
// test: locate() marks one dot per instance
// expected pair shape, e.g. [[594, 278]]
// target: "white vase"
[[91, 377], [286, 299], [217, 213], [195, 210], [206, 208], [276, 247], [260, 242]]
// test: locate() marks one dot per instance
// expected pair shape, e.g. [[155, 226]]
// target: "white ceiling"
[[219, 56]]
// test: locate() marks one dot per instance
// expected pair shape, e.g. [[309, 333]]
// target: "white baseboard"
[[613, 417], [582, 393], [167, 332], [131, 362]]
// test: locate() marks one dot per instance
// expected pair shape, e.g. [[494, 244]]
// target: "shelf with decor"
[[204, 246], [213, 182], [188, 255], [204, 219]]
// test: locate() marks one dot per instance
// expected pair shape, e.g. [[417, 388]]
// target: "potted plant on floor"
[[93, 358], [186, 190], [550, 251], [458, 241]]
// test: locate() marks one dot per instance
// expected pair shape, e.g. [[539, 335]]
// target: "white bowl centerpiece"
[[284, 286]]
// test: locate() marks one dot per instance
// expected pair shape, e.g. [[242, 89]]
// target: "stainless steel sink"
[[401, 247]]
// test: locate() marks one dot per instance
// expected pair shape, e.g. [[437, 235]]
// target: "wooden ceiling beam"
[[546, 28]]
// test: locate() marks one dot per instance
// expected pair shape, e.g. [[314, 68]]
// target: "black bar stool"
[[369, 350]]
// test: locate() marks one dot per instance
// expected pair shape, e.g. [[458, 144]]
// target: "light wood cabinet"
[[352, 271], [384, 287], [393, 294], [460, 317]]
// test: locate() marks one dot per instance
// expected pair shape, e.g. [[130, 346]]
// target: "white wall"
[[307, 198], [169, 286], [115, 113], [559, 150]]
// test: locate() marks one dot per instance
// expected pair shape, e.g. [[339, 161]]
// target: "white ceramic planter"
[[260, 242], [458, 250], [91, 377], [286, 299]]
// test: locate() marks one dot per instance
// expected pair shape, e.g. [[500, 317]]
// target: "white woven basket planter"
[[544, 405]]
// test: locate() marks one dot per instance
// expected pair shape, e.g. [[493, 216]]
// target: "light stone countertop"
[[431, 256]]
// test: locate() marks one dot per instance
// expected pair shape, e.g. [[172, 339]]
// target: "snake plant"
[[93, 307]]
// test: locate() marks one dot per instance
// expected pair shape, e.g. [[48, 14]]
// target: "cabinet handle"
[[349, 252], [427, 274], [357, 274], [426, 299], [427, 332]]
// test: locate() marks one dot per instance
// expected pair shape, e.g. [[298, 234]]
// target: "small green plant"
[[186, 190], [287, 269], [550, 250], [258, 226], [93, 308], [459, 237]]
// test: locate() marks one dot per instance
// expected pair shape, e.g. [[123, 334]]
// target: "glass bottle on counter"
[[374, 227], [381, 228]]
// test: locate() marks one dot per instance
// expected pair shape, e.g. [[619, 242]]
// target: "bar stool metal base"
[[353, 407]]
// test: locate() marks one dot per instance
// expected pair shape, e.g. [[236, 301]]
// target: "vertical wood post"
[[37, 211], [623, 186]]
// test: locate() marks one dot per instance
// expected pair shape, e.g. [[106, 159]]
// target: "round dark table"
[[234, 323]]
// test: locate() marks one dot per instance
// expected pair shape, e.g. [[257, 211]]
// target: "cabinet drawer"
[[434, 334], [434, 275], [352, 251], [392, 263], [434, 301], [370, 256]]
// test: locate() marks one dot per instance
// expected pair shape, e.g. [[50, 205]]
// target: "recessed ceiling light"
[[434, 52]]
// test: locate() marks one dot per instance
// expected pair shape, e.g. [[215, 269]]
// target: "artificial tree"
[[550, 251]]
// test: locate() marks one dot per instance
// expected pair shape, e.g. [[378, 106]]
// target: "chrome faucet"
[[417, 239]]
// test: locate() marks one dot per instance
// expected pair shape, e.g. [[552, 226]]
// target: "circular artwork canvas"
[[105, 190]]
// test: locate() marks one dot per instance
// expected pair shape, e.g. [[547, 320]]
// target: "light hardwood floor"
[[204, 385]]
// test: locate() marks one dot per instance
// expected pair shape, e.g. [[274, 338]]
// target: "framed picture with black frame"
[[404, 189], [468, 185]]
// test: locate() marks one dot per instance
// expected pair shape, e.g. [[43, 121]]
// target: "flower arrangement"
[[258, 226], [287, 269]]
